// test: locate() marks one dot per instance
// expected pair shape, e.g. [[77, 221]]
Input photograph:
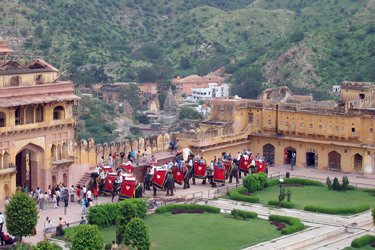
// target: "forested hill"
[[308, 45]]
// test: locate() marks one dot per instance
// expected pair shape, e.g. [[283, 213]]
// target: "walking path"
[[74, 210]]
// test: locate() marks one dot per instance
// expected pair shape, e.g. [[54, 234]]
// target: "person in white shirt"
[[145, 155], [40, 198], [84, 191], [152, 170], [170, 164], [6, 201], [239, 156], [72, 193], [88, 195], [1, 222], [102, 161], [110, 160], [97, 169]]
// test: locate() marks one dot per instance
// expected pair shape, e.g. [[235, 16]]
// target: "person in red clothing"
[[79, 193], [96, 193], [114, 159]]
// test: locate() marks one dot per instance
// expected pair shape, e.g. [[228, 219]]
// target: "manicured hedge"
[[286, 204], [236, 194], [295, 224], [243, 214], [365, 240], [172, 207], [351, 187], [337, 210], [300, 181], [369, 190]]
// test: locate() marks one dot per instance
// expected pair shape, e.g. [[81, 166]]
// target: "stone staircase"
[[85, 179]]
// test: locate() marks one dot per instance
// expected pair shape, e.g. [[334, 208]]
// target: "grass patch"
[[319, 196], [201, 231]]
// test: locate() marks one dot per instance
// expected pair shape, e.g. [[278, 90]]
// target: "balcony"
[[37, 125]]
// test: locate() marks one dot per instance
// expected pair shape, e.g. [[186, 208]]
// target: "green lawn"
[[206, 231], [320, 196]]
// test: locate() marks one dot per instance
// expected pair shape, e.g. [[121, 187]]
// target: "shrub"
[[295, 224], [337, 210], [103, 215], [69, 233], [46, 245], [329, 183], [363, 241], [172, 207], [21, 246], [236, 194], [369, 190], [136, 234], [87, 237], [336, 185], [345, 183], [182, 211], [373, 215], [273, 182], [282, 194], [351, 187], [244, 214], [304, 182], [255, 182], [286, 204], [289, 195]]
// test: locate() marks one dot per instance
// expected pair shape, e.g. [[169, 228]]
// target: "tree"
[[146, 74], [345, 183], [189, 113], [143, 119], [136, 234], [336, 185], [329, 183], [46, 245], [87, 237], [185, 62], [21, 215]]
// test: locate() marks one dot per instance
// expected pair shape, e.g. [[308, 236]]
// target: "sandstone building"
[[326, 135]]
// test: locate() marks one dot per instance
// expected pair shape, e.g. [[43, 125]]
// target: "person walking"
[[72, 193], [41, 200], [84, 191], [83, 202], [145, 155], [54, 200], [45, 201], [58, 197], [45, 230], [1, 221], [59, 229]]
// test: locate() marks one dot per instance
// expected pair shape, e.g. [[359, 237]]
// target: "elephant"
[[115, 188], [187, 177], [138, 193], [169, 185], [234, 172], [147, 182]]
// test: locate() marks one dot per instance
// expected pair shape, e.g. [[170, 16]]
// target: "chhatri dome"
[[170, 106]]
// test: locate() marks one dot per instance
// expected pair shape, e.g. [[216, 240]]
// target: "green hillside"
[[307, 45]]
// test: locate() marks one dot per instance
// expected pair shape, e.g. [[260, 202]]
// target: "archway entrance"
[[358, 163], [269, 152], [28, 160], [288, 154], [312, 158], [334, 161]]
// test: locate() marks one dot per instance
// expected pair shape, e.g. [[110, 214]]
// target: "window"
[[2, 119], [269, 122], [302, 125], [336, 128], [361, 96], [293, 125], [287, 124], [330, 127], [281, 123], [320, 126], [371, 130], [311, 125], [258, 122], [343, 128], [15, 81], [251, 118], [58, 113], [353, 130]]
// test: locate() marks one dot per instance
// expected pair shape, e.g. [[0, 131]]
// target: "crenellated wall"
[[87, 152]]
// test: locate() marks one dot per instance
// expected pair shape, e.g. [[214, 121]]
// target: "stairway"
[[85, 179]]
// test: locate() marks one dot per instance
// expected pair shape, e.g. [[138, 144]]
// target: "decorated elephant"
[[161, 180], [116, 188], [147, 181], [169, 184], [233, 171]]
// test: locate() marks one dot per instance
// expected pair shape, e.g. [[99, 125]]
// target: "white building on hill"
[[214, 90]]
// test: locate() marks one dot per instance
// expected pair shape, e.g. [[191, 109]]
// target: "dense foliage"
[[189, 113], [46, 245], [87, 237], [255, 182], [363, 241], [285, 204], [21, 215], [136, 234]]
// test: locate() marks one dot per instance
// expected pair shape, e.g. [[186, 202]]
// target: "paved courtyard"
[[73, 212]]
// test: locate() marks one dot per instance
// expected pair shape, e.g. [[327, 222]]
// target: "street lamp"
[[281, 181]]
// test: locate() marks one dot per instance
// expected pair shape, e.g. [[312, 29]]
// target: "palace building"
[[326, 135], [36, 125]]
